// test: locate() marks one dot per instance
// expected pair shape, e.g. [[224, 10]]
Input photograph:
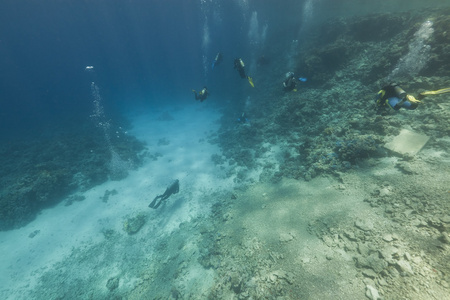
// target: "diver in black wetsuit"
[[240, 66], [290, 82], [202, 95], [172, 189]]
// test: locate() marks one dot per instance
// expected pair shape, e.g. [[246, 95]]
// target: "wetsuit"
[[172, 189], [239, 65], [202, 95], [290, 83], [395, 97]]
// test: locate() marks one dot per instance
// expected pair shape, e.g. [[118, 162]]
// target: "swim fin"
[[250, 80], [153, 204], [441, 91]]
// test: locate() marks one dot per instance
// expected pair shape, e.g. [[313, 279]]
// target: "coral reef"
[[37, 173], [133, 224], [331, 125]]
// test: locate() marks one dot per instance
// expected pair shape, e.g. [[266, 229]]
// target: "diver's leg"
[[394, 103], [152, 205], [410, 106], [157, 205]]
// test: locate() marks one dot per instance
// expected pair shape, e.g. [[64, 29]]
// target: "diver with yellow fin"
[[395, 97], [240, 66]]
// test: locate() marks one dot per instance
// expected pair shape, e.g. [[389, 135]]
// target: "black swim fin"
[[152, 205]]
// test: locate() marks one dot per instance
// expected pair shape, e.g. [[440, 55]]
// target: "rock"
[[369, 273], [365, 225], [407, 256], [112, 283], [286, 237], [388, 253], [350, 246], [134, 224], [444, 284], [446, 219], [328, 241], [372, 293], [350, 235], [363, 249], [405, 168], [405, 268], [33, 234], [373, 262], [287, 276], [381, 281], [387, 237], [444, 238], [384, 191]]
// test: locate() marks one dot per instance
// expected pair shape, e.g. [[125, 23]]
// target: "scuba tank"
[[399, 92]]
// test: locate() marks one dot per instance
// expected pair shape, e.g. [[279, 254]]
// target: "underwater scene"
[[225, 149]]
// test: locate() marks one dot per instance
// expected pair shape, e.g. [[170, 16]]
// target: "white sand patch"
[[186, 156], [407, 142]]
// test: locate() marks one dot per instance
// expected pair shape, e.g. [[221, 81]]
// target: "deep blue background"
[[141, 50], [144, 52]]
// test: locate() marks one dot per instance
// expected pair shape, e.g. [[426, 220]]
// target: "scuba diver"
[[239, 65], [290, 82], [243, 118], [217, 60], [395, 97], [172, 189], [202, 95]]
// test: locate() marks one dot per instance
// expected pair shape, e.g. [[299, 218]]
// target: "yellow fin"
[[441, 91], [250, 80]]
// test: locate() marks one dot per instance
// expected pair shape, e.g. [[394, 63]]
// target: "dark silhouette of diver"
[[172, 189], [290, 82], [240, 66], [202, 95], [217, 60]]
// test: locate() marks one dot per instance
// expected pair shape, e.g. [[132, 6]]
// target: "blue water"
[[72, 72], [142, 51]]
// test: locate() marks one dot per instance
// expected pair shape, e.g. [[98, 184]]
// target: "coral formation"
[[133, 224], [52, 168]]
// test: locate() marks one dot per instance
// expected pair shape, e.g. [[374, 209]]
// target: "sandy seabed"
[[378, 231]]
